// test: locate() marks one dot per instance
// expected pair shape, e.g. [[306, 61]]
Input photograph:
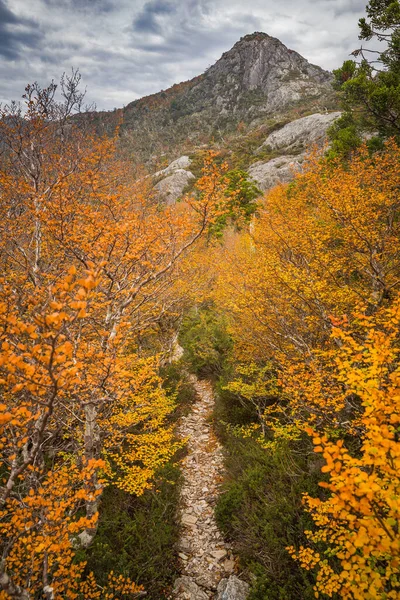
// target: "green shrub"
[[230, 410], [260, 509], [241, 206], [176, 382], [205, 340], [137, 536]]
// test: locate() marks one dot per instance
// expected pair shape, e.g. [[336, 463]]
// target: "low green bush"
[[205, 340], [137, 536]]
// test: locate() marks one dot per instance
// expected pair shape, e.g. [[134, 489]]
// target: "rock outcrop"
[[260, 75], [278, 170], [187, 589], [232, 589], [301, 133], [175, 179], [183, 162], [171, 187], [296, 137]]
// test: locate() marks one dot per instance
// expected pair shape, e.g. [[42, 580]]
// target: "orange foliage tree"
[[322, 245], [89, 260], [312, 291], [358, 525], [45, 482]]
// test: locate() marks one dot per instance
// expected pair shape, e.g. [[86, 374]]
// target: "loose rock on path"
[[207, 562]]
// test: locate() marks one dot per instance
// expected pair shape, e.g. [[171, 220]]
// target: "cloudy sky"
[[126, 49]]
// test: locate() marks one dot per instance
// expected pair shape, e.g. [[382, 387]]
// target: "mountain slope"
[[258, 78]]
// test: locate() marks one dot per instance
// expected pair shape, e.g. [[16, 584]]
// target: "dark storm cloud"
[[94, 6], [182, 30], [129, 48], [15, 33], [147, 20]]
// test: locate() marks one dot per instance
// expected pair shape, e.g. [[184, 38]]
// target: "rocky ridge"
[[207, 562]]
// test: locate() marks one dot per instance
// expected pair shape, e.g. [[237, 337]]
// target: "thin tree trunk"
[[14, 591], [92, 450]]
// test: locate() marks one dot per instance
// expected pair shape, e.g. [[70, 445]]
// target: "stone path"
[[207, 563]]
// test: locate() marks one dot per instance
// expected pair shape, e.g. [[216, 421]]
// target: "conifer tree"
[[370, 85]]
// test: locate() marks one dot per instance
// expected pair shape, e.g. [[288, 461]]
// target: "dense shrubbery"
[[260, 509], [314, 291], [205, 340], [177, 384], [91, 265], [137, 536]]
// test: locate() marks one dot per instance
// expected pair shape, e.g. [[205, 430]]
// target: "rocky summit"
[[260, 75]]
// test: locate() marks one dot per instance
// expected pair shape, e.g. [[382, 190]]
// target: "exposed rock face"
[[302, 133], [232, 589], [278, 170], [171, 187], [175, 179], [298, 136], [183, 162], [261, 75]]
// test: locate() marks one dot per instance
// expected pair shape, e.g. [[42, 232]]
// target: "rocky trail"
[[207, 562]]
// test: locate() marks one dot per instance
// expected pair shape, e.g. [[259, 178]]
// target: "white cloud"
[[129, 48]]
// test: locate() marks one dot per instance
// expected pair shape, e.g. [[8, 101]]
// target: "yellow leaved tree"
[[358, 524], [312, 294]]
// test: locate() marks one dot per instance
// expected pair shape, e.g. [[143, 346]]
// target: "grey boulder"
[[170, 188], [183, 162], [278, 170], [187, 589], [232, 589], [301, 134]]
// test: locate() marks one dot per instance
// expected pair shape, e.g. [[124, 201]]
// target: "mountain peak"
[[257, 41], [264, 60], [258, 78], [257, 36]]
